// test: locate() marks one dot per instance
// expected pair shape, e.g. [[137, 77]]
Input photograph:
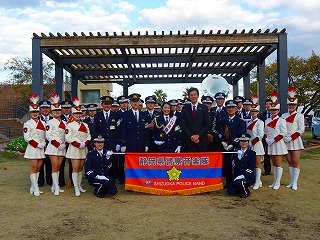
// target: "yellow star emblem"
[[174, 174]]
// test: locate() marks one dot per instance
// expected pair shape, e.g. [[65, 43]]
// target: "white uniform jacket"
[[276, 129], [295, 127], [55, 135], [256, 130], [34, 132]]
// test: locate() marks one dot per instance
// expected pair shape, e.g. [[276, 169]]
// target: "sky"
[[21, 18]]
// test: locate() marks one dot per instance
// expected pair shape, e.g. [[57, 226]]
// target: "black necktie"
[[167, 120], [136, 116]]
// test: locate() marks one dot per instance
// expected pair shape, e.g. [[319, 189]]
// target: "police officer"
[[46, 168], [89, 120], [230, 129], [97, 168], [246, 116], [134, 128], [244, 162], [240, 110], [151, 114], [105, 124], [115, 107]]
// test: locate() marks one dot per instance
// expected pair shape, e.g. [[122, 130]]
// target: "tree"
[[304, 74], [185, 92], [160, 95], [21, 76]]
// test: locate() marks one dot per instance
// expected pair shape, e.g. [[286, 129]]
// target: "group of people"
[[89, 138]]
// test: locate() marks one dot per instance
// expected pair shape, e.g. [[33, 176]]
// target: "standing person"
[[134, 128], [266, 158], [66, 114], [230, 129], [124, 103], [78, 137], [244, 164], [46, 168], [247, 107], [106, 124], [220, 113], [34, 134], [56, 148], [89, 120], [207, 101], [150, 102], [295, 127], [275, 130], [167, 133], [256, 130], [97, 168], [115, 106], [240, 110], [195, 123]]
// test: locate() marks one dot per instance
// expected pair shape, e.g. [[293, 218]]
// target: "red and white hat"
[[255, 106], [76, 108], [54, 98], [292, 92], [34, 106], [274, 98]]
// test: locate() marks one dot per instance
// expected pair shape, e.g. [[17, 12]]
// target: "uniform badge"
[[67, 131], [25, 130], [47, 127], [112, 127], [113, 120]]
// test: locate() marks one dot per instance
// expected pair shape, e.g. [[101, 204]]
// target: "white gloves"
[[229, 147], [109, 154], [159, 142], [146, 149], [123, 149], [82, 145], [239, 177], [62, 146], [269, 141], [118, 147], [178, 149], [224, 145], [287, 139], [101, 177], [41, 145], [239, 152]]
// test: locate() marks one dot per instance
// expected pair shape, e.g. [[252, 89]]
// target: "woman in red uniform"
[[34, 133], [295, 127], [78, 135], [56, 148]]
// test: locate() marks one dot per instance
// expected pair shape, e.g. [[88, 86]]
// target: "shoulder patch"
[[25, 130], [67, 131]]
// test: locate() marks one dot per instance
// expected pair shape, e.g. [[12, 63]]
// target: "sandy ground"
[[266, 214]]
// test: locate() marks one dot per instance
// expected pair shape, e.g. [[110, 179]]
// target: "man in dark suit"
[[230, 129], [46, 168], [134, 128], [105, 123], [244, 163], [266, 159], [195, 123]]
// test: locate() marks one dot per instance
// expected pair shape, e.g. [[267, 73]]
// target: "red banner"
[[174, 173]]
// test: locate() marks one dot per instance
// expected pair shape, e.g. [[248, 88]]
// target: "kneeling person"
[[244, 165], [96, 168]]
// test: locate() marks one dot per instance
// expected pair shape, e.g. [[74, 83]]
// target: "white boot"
[[37, 181], [278, 179], [296, 172], [79, 182], [55, 183], [258, 183], [291, 177], [75, 184], [34, 184], [274, 177]]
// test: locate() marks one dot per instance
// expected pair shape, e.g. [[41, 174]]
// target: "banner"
[[174, 173]]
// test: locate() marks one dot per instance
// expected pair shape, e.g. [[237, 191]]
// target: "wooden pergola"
[[153, 58]]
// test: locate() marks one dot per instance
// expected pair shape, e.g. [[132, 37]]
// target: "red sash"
[[82, 128], [40, 126], [250, 127], [62, 125], [290, 119], [273, 123]]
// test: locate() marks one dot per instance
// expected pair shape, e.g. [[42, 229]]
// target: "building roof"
[[159, 58]]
